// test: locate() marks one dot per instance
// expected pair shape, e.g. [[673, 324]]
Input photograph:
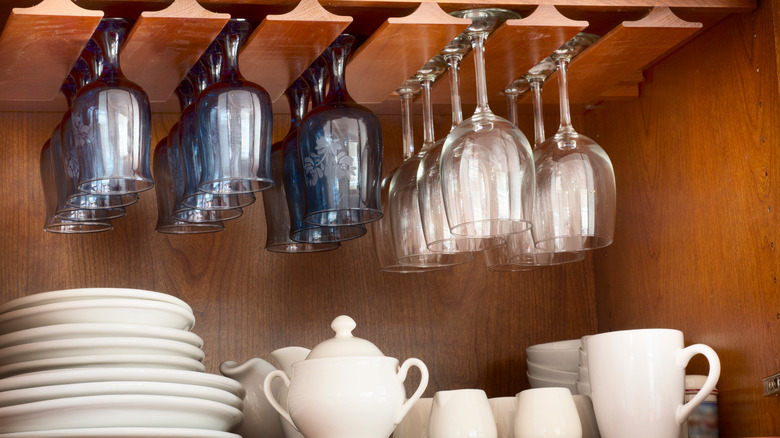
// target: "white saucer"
[[124, 432], [87, 294], [96, 330], [103, 361]]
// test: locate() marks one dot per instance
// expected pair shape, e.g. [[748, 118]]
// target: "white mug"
[[461, 413], [504, 410], [547, 412], [637, 382], [415, 422]]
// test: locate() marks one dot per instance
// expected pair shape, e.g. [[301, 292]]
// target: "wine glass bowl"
[[487, 172]]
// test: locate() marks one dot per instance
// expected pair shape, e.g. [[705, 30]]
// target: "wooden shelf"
[[164, 45], [608, 65], [283, 46], [40, 43], [398, 49]]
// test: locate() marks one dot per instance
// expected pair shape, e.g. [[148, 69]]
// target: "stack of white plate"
[[108, 363], [554, 364]]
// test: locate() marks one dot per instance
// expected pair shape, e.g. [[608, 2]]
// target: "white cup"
[[504, 410], [584, 405], [415, 422], [547, 412], [637, 382], [461, 413]]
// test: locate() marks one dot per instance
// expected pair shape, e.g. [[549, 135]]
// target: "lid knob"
[[344, 344], [343, 326]]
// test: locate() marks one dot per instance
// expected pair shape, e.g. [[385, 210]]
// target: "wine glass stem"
[[563, 91], [230, 46], [454, 74], [478, 45], [110, 49], [511, 108], [428, 134], [536, 90], [406, 125]]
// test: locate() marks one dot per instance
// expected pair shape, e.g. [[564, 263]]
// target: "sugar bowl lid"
[[344, 343]]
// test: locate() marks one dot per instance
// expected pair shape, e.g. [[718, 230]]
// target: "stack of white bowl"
[[554, 364], [108, 363], [583, 379]]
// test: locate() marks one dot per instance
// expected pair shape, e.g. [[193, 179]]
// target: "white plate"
[[119, 411], [109, 310], [97, 346], [41, 393], [103, 361], [85, 375], [88, 330], [124, 432], [88, 294]]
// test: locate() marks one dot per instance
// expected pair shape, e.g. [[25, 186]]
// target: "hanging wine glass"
[[384, 242], [277, 215], [59, 167], [204, 73], [112, 124], [52, 201], [432, 213], [575, 206], [175, 172], [341, 152], [86, 69], [410, 245], [234, 125], [166, 188], [521, 248], [487, 169], [300, 230]]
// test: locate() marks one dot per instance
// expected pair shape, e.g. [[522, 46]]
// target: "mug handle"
[[683, 357], [420, 389], [269, 393]]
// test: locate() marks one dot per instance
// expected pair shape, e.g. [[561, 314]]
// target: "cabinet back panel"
[[697, 172], [470, 326]]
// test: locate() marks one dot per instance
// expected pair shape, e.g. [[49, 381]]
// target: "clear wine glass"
[[432, 213], [575, 205], [167, 189], [86, 69], [410, 245], [521, 248], [52, 202], [341, 152], [293, 175], [277, 214], [112, 124], [204, 73], [487, 168], [234, 122]]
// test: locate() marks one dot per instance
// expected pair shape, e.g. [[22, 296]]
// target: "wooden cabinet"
[[692, 131]]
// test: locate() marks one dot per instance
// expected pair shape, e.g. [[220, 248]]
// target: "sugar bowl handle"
[[420, 389], [269, 393]]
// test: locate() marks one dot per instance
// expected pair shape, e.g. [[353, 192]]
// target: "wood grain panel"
[[697, 170], [39, 45], [164, 45], [470, 326]]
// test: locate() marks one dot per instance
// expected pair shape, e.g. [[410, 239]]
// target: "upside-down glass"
[[234, 125], [53, 224], [204, 73], [300, 230], [166, 188], [277, 214], [61, 180], [487, 171], [410, 245], [112, 124], [521, 247], [341, 152], [86, 69], [575, 202], [432, 213]]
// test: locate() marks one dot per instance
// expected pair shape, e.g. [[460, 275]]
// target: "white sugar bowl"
[[346, 388]]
